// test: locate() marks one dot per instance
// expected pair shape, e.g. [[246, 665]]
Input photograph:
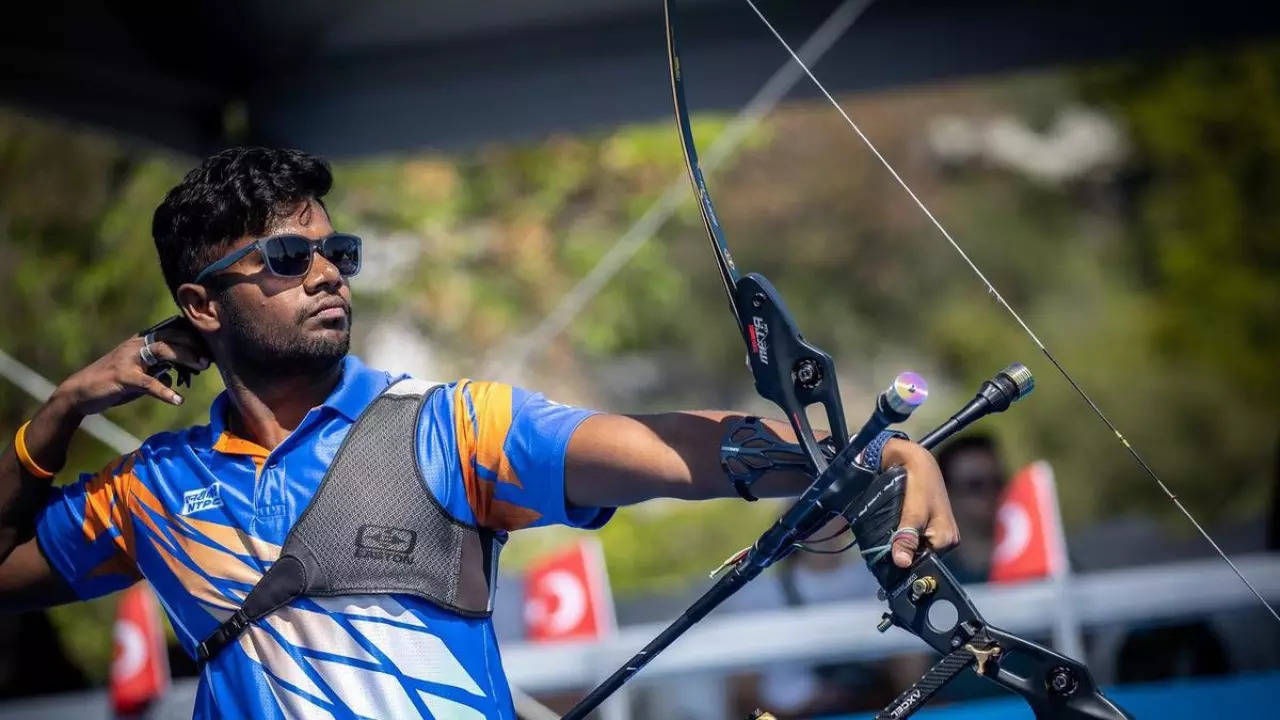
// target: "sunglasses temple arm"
[[225, 262]]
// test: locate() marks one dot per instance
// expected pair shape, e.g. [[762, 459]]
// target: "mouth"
[[331, 310]]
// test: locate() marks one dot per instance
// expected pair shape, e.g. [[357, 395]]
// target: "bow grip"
[[874, 517]]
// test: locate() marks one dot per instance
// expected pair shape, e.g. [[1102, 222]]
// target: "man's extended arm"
[[619, 459]]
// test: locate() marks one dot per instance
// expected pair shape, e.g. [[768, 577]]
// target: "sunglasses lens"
[[343, 251], [288, 255]]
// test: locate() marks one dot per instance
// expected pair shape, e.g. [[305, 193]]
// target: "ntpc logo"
[[379, 542], [208, 498]]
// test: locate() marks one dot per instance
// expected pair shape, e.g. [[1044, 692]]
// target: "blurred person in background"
[[261, 277], [975, 478]]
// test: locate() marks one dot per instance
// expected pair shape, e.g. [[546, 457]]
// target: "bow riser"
[[788, 370]]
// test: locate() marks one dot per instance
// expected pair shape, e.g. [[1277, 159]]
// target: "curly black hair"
[[239, 191]]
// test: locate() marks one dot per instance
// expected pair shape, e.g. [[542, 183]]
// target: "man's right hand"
[[26, 579], [121, 376]]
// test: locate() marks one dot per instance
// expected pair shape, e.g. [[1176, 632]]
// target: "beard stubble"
[[267, 352]]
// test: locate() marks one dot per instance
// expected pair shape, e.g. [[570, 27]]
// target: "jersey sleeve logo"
[[194, 501]]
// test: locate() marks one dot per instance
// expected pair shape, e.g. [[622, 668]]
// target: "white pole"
[[38, 387], [530, 709], [1068, 638], [618, 706]]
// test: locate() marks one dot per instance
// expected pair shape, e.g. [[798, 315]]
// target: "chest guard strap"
[[373, 526]]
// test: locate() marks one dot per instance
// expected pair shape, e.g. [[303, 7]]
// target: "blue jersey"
[[201, 513]]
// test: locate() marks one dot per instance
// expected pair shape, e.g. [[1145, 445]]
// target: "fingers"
[[153, 387], [905, 543], [172, 351], [941, 533], [177, 352], [121, 376], [915, 515], [926, 512]]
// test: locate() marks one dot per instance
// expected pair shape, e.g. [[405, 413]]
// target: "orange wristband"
[[24, 457]]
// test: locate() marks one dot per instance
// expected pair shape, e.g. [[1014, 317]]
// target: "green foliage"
[[1204, 222], [80, 275], [691, 540]]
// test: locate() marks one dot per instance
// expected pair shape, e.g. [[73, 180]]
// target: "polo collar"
[[358, 386]]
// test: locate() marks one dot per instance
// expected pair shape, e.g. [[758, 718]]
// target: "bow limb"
[[777, 353], [724, 260]]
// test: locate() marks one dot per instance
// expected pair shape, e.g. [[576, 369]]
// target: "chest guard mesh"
[[373, 526]]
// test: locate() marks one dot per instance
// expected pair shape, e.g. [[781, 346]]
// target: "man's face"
[[276, 325]]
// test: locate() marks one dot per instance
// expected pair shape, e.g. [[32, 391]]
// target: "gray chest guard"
[[373, 526]]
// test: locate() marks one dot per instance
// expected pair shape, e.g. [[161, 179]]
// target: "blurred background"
[[517, 176]]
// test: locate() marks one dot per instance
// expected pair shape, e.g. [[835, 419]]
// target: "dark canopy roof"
[[348, 78]]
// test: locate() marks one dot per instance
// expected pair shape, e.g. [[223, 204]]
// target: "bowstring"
[[991, 289]]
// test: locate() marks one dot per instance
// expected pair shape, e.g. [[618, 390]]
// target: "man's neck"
[[266, 410]]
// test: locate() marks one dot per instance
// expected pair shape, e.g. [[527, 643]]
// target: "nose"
[[323, 274]]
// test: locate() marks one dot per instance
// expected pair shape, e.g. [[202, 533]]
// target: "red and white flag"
[[567, 596], [1029, 540], [140, 663]]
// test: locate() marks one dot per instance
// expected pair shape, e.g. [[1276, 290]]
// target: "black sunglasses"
[[290, 255]]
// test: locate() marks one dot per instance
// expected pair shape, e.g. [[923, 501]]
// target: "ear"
[[200, 307]]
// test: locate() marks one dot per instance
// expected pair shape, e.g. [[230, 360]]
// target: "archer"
[[375, 505]]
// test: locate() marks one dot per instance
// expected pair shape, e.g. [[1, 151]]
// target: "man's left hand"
[[925, 506]]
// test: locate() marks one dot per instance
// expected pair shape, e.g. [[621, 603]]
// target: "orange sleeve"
[[86, 530], [482, 415]]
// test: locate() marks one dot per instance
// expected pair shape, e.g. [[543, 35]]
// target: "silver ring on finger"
[[149, 358], [905, 531]]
